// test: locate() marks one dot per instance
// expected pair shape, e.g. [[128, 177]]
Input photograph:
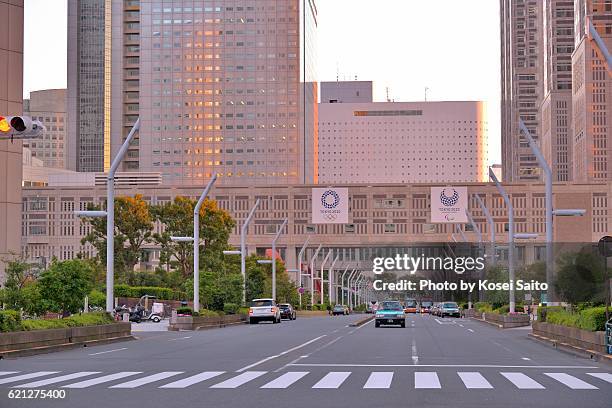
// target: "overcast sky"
[[448, 46]]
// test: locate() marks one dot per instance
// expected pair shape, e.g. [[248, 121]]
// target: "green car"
[[390, 312]]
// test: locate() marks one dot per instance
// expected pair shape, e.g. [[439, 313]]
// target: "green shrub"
[[208, 313], [85, 319], [243, 311], [593, 319], [483, 307], [544, 310], [184, 310], [10, 320], [97, 298], [139, 291], [230, 308]]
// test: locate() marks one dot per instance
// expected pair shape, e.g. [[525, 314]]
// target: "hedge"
[[231, 308], [591, 319], [10, 321], [159, 292]]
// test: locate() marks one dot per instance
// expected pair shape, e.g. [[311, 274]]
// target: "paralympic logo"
[[449, 201]]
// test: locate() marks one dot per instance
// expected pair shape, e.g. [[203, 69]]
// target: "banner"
[[448, 204], [330, 205]]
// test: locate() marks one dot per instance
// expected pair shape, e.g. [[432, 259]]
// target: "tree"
[[65, 285], [177, 218], [580, 278], [18, 274], [133, 229]]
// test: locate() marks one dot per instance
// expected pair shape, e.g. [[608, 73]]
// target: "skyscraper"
[[556, 107], [521, 84], [592, 94]]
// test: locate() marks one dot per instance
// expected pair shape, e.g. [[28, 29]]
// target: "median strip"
[[362, 321]]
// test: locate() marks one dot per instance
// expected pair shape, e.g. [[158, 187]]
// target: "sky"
[[449, 46]]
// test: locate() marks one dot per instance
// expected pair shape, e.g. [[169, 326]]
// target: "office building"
[[347, 92], [401, 142], [556, 107], [11, 103], [49, 107], [591, 94], [521, 85], [225, 87]]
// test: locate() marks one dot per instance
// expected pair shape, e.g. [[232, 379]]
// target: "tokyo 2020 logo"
[[449, 200], [330, 199]]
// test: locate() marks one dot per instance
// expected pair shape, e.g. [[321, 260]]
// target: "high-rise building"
[[521, 85], [591, 94], [49, 107], [88, 138], [11, 103], [556, 107], [228, 87]]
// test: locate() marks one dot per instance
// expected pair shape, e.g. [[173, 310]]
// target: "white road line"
[[146, 380], [440, 365], [439, 322], [8, 372], [379, 380], [103, 379], [108, 351], [426, 379], [333, 379], [522, 381], [280, 354], [240, 379], [285, 380], [470, 330], [415, 355], [460, 325], [602, 376], [194, 379], [525, 358], [571, 381], [474, 380], [26, 376], [180, 338], [55, 380]]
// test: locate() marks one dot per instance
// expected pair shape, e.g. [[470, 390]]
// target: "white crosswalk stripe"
[[147, 380], [379, 380], [286, 379], [8, 372], [423, 379], [333, 379], [602, 376], [101, 380], [55, 380], [474, 380], [26, 376], [194, 379], [522, 381], [239, 380], [571, 381]]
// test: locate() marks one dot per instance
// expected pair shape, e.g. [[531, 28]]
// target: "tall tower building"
[[11, 103], [556, 107], [591, 94], [521, 85]]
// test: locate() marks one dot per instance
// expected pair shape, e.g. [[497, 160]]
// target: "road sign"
[[300, 290], [605, 246]]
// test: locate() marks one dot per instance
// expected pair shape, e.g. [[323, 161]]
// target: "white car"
[[264, 309]]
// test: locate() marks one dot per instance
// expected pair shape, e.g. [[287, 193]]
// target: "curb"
[[361, 322], [61, 347], [571, 349], [499, 326]]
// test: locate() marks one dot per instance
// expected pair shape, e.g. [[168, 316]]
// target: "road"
[[316, 362]]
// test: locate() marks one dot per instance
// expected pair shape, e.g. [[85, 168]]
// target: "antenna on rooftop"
[[426, 89], [387, 90]]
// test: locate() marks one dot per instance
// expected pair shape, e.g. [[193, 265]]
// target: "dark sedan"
[[287, 311]]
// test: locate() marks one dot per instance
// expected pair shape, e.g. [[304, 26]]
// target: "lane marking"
[[360, 327], [180, 338], [280, 354], [522, 381], [240, 379], [194, 379], [379, 380], [474, 380], [147, 380], [460, 325], [470, 330], [285, 380], [8, 372], [525, 358], [55, 380], [439, 365], [333, 379], [108, 351], [415, 356], [26, 376], [602, 376], [571, 381], [426, 379], [103, 379]]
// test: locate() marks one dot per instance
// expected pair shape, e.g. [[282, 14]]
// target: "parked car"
[[426, 306], [287, 311], [340, 310], [390, 312], [411, 306], [264, 309], [450, 309]]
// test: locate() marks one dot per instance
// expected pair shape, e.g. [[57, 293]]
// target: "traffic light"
[[20, 127]]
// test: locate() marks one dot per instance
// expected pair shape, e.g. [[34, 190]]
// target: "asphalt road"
[[315, 362]]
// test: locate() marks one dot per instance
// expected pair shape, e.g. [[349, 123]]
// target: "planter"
[[508, 321], [571, 335], [202, 322]]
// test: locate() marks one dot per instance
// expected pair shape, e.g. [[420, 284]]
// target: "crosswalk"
[[332, 380]]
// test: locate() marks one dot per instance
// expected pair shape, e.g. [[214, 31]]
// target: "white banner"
[[330, 205], [448, 204]]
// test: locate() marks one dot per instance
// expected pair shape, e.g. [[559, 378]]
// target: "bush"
[[543, 311], [10, 320], [139, 291], [483, 307], [86, 319], [230, 308], [97, 298], [184, 310], [243, 311], [592, 319], [208, 313]]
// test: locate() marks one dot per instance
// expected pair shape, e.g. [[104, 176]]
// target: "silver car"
[[264, 309]]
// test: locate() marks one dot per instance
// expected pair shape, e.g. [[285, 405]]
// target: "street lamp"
[[299, 260], [273, 261], [491, 223], [322, 266], [342, 287], [312, 261], [330, 279], [460, 231], [243, 232], [110, 217]]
